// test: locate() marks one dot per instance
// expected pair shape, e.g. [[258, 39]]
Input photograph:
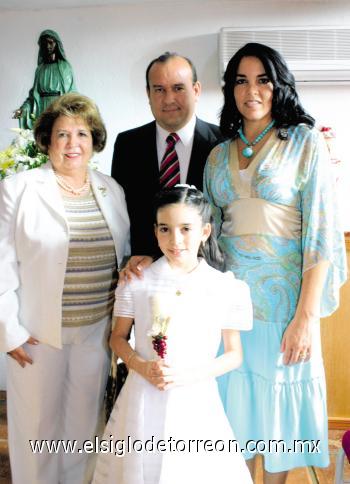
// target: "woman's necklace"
[[68, 188], [248, 151]]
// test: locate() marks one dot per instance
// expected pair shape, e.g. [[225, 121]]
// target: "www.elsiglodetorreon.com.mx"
[[121, 447]]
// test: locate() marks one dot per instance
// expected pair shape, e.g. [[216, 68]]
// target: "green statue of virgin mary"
[[53, 77]]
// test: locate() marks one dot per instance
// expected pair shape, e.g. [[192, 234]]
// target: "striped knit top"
[[91, 272]]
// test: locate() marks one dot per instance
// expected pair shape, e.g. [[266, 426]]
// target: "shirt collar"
[[185, 134]]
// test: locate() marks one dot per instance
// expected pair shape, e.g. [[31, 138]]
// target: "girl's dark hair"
[[192, 197], [286, 107]]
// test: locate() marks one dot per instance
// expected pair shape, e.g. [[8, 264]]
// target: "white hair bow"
[[185, 185]]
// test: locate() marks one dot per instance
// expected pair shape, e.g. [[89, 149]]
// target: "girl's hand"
[[134, 267], [166, 377], [296, 341], [20, 355], [157, 373], [176, 378]]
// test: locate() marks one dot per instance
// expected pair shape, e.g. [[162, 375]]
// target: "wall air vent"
[[315, 55]]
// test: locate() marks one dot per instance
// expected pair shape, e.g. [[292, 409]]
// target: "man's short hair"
[[164, 58]]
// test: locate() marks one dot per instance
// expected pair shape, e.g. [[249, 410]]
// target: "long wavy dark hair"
[[286, 106], [194, 198]]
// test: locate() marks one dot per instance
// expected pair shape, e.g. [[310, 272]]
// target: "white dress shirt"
[[183, 146]]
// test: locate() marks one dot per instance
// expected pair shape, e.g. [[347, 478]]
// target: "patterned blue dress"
[[276, 220]]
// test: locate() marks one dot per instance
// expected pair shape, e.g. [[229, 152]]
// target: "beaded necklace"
[[248, 151], [68, 188]]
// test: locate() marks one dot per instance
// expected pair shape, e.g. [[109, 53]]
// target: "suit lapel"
[[149, 150], [47, 188], [195, 169], [106, 202]]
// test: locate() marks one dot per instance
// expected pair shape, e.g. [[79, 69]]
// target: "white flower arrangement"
[[22, 154]]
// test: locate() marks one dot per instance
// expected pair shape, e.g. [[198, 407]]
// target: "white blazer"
[[34, 240]]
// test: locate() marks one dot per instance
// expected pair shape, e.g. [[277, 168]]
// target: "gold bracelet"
[[129, 358]]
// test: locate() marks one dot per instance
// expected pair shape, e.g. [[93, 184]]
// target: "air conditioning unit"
[[315, 55]]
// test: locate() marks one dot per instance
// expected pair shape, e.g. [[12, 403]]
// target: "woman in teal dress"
[[271, 188]]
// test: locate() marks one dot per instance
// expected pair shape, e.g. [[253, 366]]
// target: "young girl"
[[168, 425]]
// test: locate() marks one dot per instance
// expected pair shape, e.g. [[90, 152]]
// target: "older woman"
[[271, 188], [64, 228]]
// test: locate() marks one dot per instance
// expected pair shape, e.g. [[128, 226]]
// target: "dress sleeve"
[[124, 302], [236, 304], [12, 333], [322, 237]]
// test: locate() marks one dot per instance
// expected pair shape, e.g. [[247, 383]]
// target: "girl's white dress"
[[179, 436]]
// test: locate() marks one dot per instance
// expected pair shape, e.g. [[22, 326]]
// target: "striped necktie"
[[169, 173]]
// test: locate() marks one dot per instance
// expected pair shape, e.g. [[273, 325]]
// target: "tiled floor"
[[4, 462], [316, 475], [297, 476]]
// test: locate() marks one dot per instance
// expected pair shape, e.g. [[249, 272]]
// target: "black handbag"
[[116, 379]]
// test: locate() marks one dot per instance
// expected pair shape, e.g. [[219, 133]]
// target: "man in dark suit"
[[173, 90]]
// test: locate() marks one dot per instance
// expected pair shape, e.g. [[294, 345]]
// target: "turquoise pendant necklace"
[[248, 151]]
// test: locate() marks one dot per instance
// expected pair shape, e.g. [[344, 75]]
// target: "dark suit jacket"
[[135, 167]]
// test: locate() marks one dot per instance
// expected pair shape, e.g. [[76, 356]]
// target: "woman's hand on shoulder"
[[296, 341], [134, 267], [20, 355]]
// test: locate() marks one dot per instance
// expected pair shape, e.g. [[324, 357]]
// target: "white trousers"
[[58, 397]]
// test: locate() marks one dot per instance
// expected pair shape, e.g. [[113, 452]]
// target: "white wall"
[[110, 48]]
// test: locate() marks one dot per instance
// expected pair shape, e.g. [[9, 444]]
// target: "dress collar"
[[162, 268]]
